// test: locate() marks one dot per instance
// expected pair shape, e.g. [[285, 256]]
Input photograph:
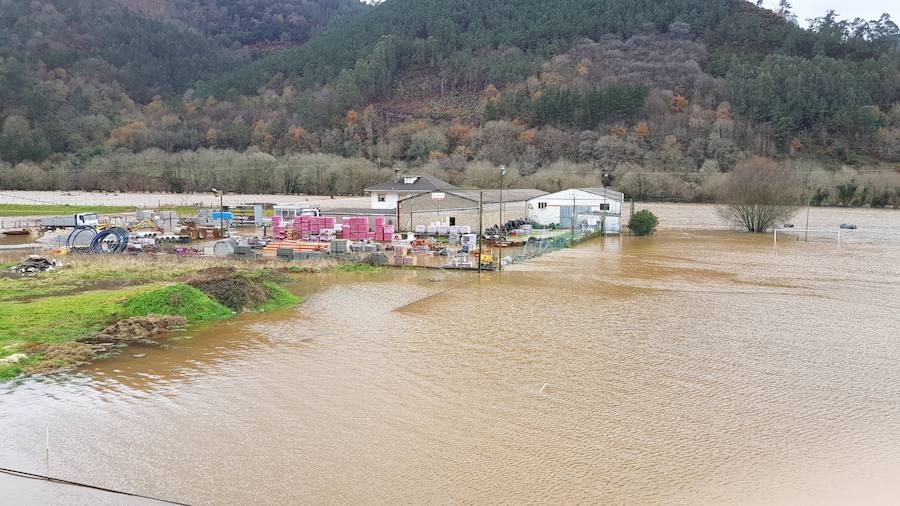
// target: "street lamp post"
[[502, 225], [502, 228]]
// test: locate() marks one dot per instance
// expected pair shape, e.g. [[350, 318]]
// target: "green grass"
[[74, 302], [90, 272], [279, 297], [182, 210], [10, 371], [58, 209], [177, 300], [357, 267], [63, 318]]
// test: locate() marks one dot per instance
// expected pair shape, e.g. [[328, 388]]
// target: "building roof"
[[600, 192], [493, 196], [353, 211], [609, 192], [422, 183]]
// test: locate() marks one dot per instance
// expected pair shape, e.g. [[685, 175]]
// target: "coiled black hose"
[[100, 246], [72, 240]]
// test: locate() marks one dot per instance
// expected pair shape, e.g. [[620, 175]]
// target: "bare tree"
[[758, 194]]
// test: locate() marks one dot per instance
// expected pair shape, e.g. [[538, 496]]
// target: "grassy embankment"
[[91, 293]]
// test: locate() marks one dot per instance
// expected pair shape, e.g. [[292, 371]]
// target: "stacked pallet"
[[278, 231], [306, 226], [403, 256], [357, 229], [298, 246], [383, 232]]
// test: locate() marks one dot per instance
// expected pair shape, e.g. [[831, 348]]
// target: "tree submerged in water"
[[759, 194], [643, 223]]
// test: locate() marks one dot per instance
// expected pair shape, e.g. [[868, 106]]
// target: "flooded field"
[[156, 200], [688, 368]]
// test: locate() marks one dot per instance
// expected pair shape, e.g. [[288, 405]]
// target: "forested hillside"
[[258, 24], [667, 96]]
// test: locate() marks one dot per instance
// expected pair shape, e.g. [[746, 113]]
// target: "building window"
[[604, 207], [381, 197], [409, 180], [452, 221], [542, 205]]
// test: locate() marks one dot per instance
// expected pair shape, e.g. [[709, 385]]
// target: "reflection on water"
[[686, 368]]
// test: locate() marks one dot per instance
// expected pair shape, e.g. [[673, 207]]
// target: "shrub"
[[643, 223], [759, 194]]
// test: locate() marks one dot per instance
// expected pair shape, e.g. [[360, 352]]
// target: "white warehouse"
[[588, 205]]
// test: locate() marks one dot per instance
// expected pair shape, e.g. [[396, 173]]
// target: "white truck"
[[70, 221]]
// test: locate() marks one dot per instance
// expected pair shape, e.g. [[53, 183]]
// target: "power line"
[[32, 476]]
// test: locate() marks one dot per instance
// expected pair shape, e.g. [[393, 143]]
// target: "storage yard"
[[298, 232]]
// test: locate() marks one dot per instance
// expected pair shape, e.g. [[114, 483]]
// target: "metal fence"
[[539, 246]]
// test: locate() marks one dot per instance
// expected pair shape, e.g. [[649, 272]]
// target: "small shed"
[[584, 205]]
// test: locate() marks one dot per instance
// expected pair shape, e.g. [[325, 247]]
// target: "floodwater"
[[688, 368]]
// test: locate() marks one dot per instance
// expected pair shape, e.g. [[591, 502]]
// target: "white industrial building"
[[587, 205]]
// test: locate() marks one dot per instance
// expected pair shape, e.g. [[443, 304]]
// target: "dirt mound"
[[219, 272], [271, 276], [236, 292], [136, 330], [57, 357]]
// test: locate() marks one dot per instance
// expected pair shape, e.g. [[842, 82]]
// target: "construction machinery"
[[486, 259]]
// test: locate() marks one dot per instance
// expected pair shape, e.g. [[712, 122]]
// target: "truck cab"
[[87, 220], [288, 212]]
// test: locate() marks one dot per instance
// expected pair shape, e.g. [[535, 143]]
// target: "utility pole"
[[808, 199], [480, 228], [574, 215], [502, 227], [603, 209]]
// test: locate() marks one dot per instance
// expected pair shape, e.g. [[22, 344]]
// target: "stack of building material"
[[298, 246], [402, 256], [278, 231], [339, 246], [307, 226], [383, 232], [357, 229]]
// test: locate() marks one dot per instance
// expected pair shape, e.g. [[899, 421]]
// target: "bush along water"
[[643, 223]]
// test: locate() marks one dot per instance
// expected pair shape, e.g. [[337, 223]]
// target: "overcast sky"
[[866, 9]]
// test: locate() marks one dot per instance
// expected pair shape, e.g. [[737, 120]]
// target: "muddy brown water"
[[689, 368]]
